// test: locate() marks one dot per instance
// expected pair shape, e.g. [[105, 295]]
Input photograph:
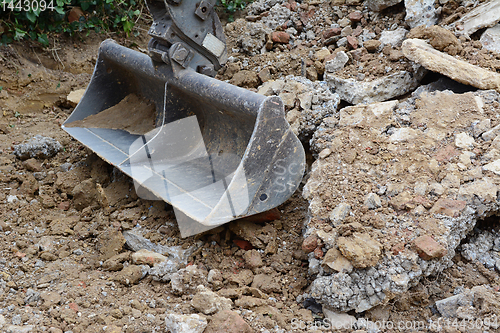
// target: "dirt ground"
[[54, 241]]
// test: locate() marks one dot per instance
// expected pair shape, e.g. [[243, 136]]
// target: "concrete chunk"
[[420, 13], [490, 39], [422, 53], [483, 16], [379, 90]]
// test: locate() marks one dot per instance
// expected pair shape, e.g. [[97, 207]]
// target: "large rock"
[[472, 303], [337, 63], [339, 320], [30, 185], [228, 322], [393, 38], [336, 261], [136, 242], [85, 194], [208, 302], [483, 16], [145, 257], [186, 280], [178, 323], [176, 258], [360, 249], [38, 147], [67, 180], [307, 102], [422, 53], [490, 39], [75, 97], [340, 213], [431, 194], [378, 90], [131, 274], [378, 5], [440, 38], [420, 13], [110, 243]]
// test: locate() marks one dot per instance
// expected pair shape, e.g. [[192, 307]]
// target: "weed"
[[232, 6], [21, 19], [37, 20]]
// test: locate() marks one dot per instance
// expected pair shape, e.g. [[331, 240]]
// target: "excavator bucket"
[[214, 151]]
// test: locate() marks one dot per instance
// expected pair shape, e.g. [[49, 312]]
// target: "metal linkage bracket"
[[187, 34]]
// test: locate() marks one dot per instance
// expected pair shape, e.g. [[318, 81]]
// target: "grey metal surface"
[[216, 152], [191, 25]]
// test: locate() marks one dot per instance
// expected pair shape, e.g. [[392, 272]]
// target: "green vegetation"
[[232, 6], [37, 19]]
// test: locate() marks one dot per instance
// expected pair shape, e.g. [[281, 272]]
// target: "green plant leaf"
[[43, 39], [6, 39], [127, 26], [31, 16], [85, 5], [19, 34], [101, 16]]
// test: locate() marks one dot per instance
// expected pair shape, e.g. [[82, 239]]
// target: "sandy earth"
[[64, 265]]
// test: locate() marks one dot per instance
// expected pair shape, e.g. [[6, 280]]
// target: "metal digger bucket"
[[214, 151]]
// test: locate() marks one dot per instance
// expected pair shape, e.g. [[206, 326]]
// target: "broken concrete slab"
[[483, 16], [393, 38], [431, 195], [471, 304], [420, 13], [422, 53], [178, 323], [166, 259], [379, 90], [307, 102], [483, 247], [490, 39], [39, 147]]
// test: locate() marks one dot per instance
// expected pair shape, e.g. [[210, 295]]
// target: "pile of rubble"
[[397, 102], [398, 183]]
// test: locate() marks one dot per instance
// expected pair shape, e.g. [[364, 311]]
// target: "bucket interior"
[[188, 157]]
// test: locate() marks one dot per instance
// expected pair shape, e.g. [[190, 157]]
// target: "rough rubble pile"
[[471, 304], [308, 102], [403, 172], [397, 184], [395, 189], [483, 247]]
